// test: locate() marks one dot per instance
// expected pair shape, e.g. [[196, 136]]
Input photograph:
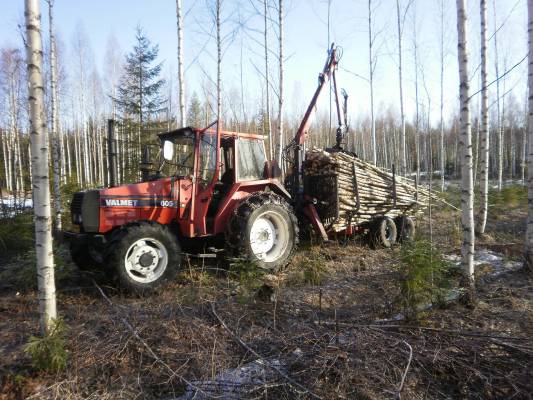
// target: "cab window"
[[251, 159], [208, 154]]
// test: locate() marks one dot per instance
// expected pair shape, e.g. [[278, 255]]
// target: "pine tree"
[[139, 92]]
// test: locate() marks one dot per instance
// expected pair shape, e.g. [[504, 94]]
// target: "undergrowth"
[[48, 353], [309, 267], [424, 277]]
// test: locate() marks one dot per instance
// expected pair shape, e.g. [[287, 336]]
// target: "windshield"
[[182, 163]]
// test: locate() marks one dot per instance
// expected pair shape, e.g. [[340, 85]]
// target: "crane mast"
[[298, 143]]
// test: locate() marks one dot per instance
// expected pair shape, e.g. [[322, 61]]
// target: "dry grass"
[[323, 330]]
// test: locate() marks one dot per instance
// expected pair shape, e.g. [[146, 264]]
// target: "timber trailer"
[[220, 196]]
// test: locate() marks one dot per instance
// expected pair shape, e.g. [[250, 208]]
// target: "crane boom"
[[324, 77]]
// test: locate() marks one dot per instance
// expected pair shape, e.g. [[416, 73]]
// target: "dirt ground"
[[329, 326]]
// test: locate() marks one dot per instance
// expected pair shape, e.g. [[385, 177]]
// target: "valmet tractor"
[[219, 193]]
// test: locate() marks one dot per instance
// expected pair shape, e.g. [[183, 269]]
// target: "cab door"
[[207, 171]]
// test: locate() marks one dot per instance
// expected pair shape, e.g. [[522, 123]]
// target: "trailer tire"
[[383, 232], [144, 257], [269, 219], [405, 228]]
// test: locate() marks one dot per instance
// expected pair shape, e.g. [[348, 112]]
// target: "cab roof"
[[189, 131]]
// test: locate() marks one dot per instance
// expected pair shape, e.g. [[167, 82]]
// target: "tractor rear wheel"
[[264, 230], [383, 232], [405, 227], [144, 257]]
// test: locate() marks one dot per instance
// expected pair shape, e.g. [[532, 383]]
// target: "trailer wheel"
[[264, 230], [144, 257], [383, 232], [405, 227]]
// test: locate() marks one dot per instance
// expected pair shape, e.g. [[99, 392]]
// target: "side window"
[[251, 159], [208, 162]]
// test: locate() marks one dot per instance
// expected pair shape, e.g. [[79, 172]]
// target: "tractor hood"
[[102, 210]]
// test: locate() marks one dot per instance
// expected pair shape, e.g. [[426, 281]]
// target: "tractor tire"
[[383, 232], [85, 256], [405, 228], [263, 230], [144, 257]]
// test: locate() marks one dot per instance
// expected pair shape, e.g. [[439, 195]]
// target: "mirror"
[[168, 150]]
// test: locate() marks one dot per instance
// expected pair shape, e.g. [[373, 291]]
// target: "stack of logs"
[[373, 192]]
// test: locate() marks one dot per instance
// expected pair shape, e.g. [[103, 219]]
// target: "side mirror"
[[168, 150]]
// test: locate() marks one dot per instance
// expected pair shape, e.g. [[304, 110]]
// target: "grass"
[[309, 267], [16, 234]]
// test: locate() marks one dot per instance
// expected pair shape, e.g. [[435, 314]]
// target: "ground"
[[334, 324]]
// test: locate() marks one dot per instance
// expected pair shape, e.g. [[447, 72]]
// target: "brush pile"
[[364, 190]]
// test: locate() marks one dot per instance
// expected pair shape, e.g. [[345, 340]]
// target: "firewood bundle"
[[364, 190]]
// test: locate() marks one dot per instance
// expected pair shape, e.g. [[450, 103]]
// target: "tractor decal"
[[153, 202]]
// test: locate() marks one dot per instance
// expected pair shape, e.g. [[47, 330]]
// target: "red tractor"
[[219, 193]]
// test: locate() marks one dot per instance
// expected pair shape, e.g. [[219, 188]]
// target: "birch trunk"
[[181, 81], [371, 82], [529, 231], [54, 118], [403, 153], [442, 151], [280, 104], [467, 195], [219, 69], [499, 116], [267, 81], [484, 134], [40, 184]]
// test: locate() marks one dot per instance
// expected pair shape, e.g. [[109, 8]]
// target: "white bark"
[[403, 152], [484, 136], [219, 69], [56, 156], [371, 82], [529, 231], [181, 80], [40, 184], [442, 151], [499, 133], [267, 80], [280, 98], [467, 195]]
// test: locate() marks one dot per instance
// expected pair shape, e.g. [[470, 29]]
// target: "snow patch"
[[235, 383]]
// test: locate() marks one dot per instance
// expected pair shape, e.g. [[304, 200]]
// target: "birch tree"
[[499, 117], [267, 79], [467, 195], [372, 66], [280, 94], [400, 24], [442, 151], [219, 67], [56, 156], [181, 81], [484, 155], [39, 160], [529, 231]]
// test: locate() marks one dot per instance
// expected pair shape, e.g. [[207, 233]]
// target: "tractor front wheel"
[[263, 230], [144, 257]]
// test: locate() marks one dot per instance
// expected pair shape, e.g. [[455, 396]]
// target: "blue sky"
[[306, 43]]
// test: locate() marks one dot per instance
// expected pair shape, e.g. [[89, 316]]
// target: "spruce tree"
[[194, 114], [139, 92]]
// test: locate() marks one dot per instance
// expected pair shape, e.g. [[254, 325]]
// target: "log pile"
[[371, 191]]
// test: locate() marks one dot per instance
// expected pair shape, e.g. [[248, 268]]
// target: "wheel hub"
[[269, 236], [146, 260]]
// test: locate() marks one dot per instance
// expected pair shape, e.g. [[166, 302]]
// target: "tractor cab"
[[214, 172]]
